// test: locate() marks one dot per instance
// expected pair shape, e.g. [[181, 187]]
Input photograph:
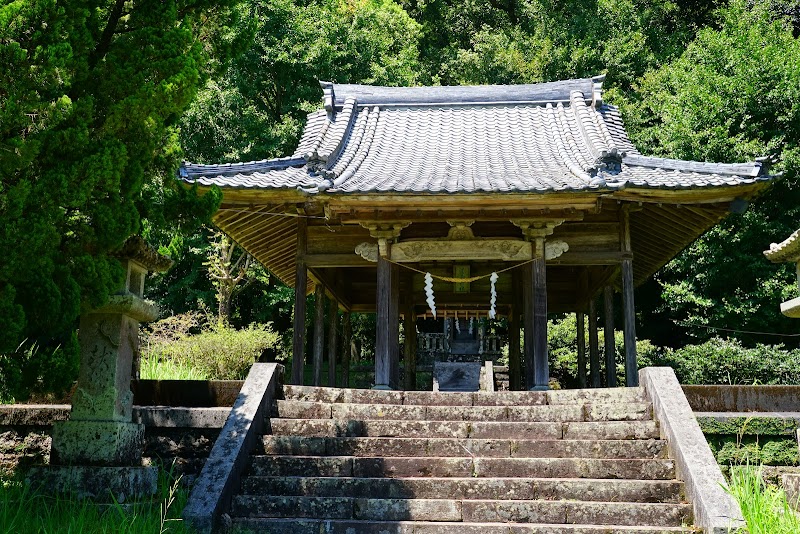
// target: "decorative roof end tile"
[[597, 90], [329, 98]]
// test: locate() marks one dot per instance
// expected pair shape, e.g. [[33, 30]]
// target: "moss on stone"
[[748, 426], [735, 450]]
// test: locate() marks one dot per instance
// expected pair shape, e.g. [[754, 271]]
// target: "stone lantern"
[[98, 451]]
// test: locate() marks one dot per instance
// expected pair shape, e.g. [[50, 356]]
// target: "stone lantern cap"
[[137, 249]]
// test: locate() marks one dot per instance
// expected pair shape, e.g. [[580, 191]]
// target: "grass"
[[153, 367], [764, 507], [27, 511]]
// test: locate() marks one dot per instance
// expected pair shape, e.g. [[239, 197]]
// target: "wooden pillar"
[[300, 281], [631, 365], [608, 337], [410, 347], [319, 332], [628, 309], [594, 352], [541, 363], [514, 356], [387, 328], [333, 320], [528, 326], [347, 339], [581, 339]]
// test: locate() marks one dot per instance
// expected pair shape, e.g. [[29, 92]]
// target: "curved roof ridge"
[[569, 124], [588, 127], [352, 143], [363, 149], [554, 132], [751, 169], [337, 133], [368, 95], [189, 170]]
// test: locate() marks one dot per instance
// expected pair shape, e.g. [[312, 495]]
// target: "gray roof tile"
[[528, 138]]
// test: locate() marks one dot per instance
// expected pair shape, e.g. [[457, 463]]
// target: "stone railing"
[[432, 343], [491, 346], [436, 346]]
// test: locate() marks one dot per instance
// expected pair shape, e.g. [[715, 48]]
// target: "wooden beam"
[[581, 340], [332, 288], [608, 337], [333, 316], [319, 332], [300, 281], [629, 312], [594, 352], [586, 257], [337, 260]]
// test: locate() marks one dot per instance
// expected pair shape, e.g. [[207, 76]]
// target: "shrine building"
[[536, 183]]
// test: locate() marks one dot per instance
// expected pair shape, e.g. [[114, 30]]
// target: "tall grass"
[[27, 511], [156, 367], [765, 508]]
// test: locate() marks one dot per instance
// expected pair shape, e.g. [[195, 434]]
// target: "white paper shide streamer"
[[493, 301], [429, 293]]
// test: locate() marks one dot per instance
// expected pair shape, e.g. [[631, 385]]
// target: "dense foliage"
[[99, 99], [90, 92], [733, 95]]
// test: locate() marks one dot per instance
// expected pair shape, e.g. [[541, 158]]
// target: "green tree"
[[257, 108], [733, 95], [511, 41], [90, 94]]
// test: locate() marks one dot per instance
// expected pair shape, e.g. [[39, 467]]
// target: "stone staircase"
[[363, 461]]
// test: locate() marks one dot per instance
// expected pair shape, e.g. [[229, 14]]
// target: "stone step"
[[399, 467], [664, 491], [447, 447], [502, 398], [325, 526], [549, 413], [463, 429], [469, 511]]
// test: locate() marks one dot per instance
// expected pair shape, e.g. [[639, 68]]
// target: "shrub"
[[563, 351], [35, 369], [218, 352], [726, 361]]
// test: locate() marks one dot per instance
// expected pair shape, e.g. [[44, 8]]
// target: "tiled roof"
[[787, 250], [556, 136]]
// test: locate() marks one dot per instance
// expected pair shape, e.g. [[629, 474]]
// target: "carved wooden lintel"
[[457, 250], [460, 230], [386, 232], [368, 251], [532, 229]]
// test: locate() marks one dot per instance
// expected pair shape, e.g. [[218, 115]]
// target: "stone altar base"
[[102, 443], [104, 484], [456, 376]]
